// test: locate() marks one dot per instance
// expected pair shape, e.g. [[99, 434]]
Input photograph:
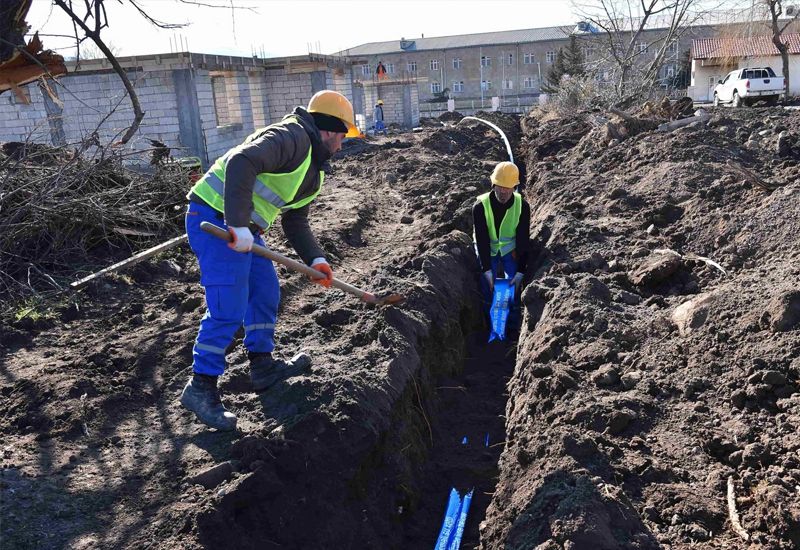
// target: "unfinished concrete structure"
[[199, 105]]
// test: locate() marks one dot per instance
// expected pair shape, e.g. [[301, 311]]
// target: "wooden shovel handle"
[[269, 254]]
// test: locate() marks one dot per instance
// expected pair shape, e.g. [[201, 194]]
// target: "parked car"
[[746, 86]]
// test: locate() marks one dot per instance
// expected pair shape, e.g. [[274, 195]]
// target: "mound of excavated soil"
[[451, 116], [475, 139], [649, 376]]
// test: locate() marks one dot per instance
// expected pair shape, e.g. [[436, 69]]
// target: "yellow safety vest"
[[507, 240], [273, 194]]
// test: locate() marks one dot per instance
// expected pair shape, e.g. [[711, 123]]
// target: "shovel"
[[264, 252]]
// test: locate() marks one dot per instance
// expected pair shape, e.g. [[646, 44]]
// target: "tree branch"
[[95, 36]]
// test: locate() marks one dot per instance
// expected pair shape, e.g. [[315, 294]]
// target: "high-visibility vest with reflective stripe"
[[273, 194], [507, 240]]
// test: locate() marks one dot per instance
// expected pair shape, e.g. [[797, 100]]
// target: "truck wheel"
[[716, 100], [737, 101]]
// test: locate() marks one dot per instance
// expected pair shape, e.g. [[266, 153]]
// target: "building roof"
[[753, 46], [460, 41]]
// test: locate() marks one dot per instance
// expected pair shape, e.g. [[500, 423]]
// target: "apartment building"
[[510, 65]]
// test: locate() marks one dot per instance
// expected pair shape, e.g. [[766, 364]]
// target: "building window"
[[550, 57], [434, 64], [390, 68], [508, 84], [456, 62], [672, 48], [588, 51], [528, 82], [669, 71], [712, 80], [220, 100], [436, 88], [486, 85], [412, 66], [510, 59], [642, 47], [458, 86], [365, 70], [529, 59], [486, 61]]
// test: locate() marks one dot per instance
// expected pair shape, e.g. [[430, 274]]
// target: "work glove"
[[321, 265], [489, 279], [517, 281], [242, 239]]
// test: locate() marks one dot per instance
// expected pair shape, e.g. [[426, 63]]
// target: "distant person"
[[380, 70], [501, 220], [378, 115], [277, 171]]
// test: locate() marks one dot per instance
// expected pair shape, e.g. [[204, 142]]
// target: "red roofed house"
[[713, 58]]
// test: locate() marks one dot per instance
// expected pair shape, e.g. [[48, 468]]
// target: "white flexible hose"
[[499, 131]]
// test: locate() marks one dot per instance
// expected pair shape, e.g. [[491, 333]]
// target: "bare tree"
[[776, 10], [90, 51], [635, 37], [95, 20], [91, 24]]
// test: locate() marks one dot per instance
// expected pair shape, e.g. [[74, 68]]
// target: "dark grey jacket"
[[279, 148]]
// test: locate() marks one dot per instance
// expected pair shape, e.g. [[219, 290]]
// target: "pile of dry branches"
[[62, 215]]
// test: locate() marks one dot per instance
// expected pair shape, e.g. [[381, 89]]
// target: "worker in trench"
[[501, 220], [277, 171]]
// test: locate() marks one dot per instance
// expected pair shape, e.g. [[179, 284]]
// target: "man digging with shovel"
[[276, 171]]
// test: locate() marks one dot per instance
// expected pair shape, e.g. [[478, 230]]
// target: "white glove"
[[242, 239], [517, 280], [489, 279]]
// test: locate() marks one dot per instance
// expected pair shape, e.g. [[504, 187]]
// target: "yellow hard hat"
[[380, 102], [506, 174], [329, 102]]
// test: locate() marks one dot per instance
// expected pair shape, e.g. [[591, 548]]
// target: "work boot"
[[265, 371], [201, 396]]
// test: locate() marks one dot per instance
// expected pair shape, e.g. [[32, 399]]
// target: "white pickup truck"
[[746, 86]]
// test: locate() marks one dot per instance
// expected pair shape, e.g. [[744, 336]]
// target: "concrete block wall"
[[286, 91], [259, 100], [20, 122], [219, 139], [92, 100], [340, 82], [400, 103], [248, 97]]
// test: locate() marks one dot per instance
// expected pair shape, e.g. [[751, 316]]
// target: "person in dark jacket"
[[501, 220], [277, 171], [378, 116]]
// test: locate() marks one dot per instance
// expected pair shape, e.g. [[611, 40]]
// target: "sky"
[[274, 28]]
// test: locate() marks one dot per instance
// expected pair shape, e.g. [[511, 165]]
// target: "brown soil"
[[644, 379], [641, 382]]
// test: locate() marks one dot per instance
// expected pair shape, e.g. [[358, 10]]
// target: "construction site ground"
[[655, 373]]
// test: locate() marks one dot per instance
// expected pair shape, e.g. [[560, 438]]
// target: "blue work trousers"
[[241, 288]]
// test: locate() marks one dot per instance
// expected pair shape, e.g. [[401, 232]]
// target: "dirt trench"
[[359, 454], [658, 359]]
